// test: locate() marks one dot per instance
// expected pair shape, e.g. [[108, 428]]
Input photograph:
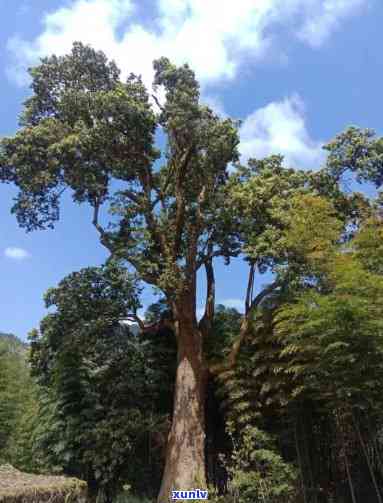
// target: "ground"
[[19, 487]]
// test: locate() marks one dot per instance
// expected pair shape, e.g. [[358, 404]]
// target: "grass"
[[19, 487]]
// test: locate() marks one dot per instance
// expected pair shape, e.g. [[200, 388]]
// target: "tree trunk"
[[299, 457], [185, 456], [370, 467], [345, 456]]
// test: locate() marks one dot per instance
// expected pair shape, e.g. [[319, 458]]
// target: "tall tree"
[[84, 129]]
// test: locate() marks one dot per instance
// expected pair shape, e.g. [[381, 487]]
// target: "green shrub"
[[257, 473]]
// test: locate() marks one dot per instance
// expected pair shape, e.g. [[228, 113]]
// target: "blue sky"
[[295, 71]]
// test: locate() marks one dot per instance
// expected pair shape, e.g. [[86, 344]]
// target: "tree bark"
[[185, 456]]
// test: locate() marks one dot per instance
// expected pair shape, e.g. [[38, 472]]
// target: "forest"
[[280, 402]]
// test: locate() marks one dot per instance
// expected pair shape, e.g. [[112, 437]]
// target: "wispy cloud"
[[326, 17], [15, 253]]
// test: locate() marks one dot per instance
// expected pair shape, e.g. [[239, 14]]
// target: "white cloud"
[[16, 253], [193, 31], [212, 36], [94, 22], [280, 128]]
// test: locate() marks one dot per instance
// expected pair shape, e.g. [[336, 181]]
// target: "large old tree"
[[86, 131], [169, 213]]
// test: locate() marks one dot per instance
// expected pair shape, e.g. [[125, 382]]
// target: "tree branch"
[[206, 321], [244, 330], [103, 234], [158, 103], [95, 222], [158, 237], [249, 291], [202, 261], [132, 196], [148, 278], [180, 199], [263, 294], [137, 319]]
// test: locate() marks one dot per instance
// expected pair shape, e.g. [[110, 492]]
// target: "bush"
[[257, 473]]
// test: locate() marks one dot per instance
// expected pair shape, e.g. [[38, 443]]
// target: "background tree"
[[79, 354], [17, 402], [309, 371]]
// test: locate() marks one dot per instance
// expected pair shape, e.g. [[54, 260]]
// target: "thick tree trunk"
[[185, 457]]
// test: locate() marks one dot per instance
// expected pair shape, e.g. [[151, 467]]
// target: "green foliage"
[[359, 151], [156, 311], [311, 230], [158, 348], [17, 403], [85, 129], [80, 354], [257, 473], [8, 406], [225, 329], [306, 244], [21, 452], [312, 360], [338, 333], [368, 245], [79, 115], [258, 196]]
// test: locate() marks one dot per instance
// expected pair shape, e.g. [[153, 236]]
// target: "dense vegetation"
[[281, 403]]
